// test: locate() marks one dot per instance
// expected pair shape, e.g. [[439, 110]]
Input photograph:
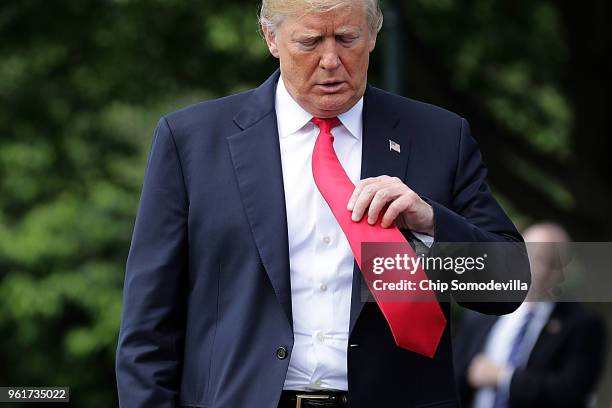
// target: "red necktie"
[[416, 326]]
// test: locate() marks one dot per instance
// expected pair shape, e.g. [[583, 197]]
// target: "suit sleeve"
[[475, 219], [569, 384], [149, 354]]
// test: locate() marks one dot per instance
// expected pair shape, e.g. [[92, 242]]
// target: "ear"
[[372, 43], [270, 37]]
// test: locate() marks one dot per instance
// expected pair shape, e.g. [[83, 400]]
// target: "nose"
[[330, 59]]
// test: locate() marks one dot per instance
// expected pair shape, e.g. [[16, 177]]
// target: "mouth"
[[331, 86]]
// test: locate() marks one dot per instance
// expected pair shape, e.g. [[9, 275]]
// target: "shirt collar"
[[292, 117]]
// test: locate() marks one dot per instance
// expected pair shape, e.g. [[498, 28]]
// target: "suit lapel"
[[380, 127], [255, 153]]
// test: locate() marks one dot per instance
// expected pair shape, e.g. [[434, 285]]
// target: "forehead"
[[542, 234], [341, 19]]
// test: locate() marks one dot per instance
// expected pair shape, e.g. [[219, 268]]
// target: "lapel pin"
[[395, 147]]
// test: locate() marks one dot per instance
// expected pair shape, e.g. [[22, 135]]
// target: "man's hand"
[[403, 206], [483, 372]]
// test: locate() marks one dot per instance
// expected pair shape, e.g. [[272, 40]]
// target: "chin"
[[335, 106]]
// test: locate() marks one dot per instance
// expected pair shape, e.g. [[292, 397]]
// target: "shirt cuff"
[[428, 240]]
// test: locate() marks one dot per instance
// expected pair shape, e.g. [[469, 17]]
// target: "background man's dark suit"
[[207, 302], [563, 367]]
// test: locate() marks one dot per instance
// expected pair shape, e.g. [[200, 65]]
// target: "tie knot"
[[326, 124]]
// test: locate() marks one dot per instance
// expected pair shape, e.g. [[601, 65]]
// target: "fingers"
[[383, 197], [395, 209], [373, 194], [358, 189], [363, 201], [474, 370]]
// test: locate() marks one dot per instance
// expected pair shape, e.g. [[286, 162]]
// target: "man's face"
[[544, 248], [324, 58]]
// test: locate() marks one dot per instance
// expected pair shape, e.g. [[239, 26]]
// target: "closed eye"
[[309, 42], [346, 39]]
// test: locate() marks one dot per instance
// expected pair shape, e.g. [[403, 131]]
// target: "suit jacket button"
[[281, 352]]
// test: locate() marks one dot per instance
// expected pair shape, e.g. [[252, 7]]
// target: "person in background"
[[545, 354]]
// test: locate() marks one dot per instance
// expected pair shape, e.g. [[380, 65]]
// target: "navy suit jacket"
[[207, 296]]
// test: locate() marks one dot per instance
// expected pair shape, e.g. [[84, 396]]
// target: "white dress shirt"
[[501, 338], [320, 258]]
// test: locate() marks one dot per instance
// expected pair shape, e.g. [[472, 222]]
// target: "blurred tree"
[[533, 78], [81, 86], [83, 83]]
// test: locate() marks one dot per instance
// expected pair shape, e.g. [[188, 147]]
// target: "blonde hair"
[[273, 12]]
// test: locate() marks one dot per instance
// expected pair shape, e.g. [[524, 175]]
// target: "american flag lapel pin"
[[394, 147]]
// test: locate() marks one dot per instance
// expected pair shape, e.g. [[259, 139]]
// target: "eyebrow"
[[316, 34], [347, 30]]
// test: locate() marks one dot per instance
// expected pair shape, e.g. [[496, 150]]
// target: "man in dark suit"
[[546, 354], [241, 289]]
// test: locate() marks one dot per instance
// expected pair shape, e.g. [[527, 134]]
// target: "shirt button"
[[318, 382], [323, 287], [281, 353], [326, 240], [320, 337]]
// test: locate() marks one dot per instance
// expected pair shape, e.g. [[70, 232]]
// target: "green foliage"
[[82, 85], [509, 56], [514, 68]]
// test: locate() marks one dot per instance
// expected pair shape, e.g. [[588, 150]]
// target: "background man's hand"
[[397, 202], [483, 372]]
